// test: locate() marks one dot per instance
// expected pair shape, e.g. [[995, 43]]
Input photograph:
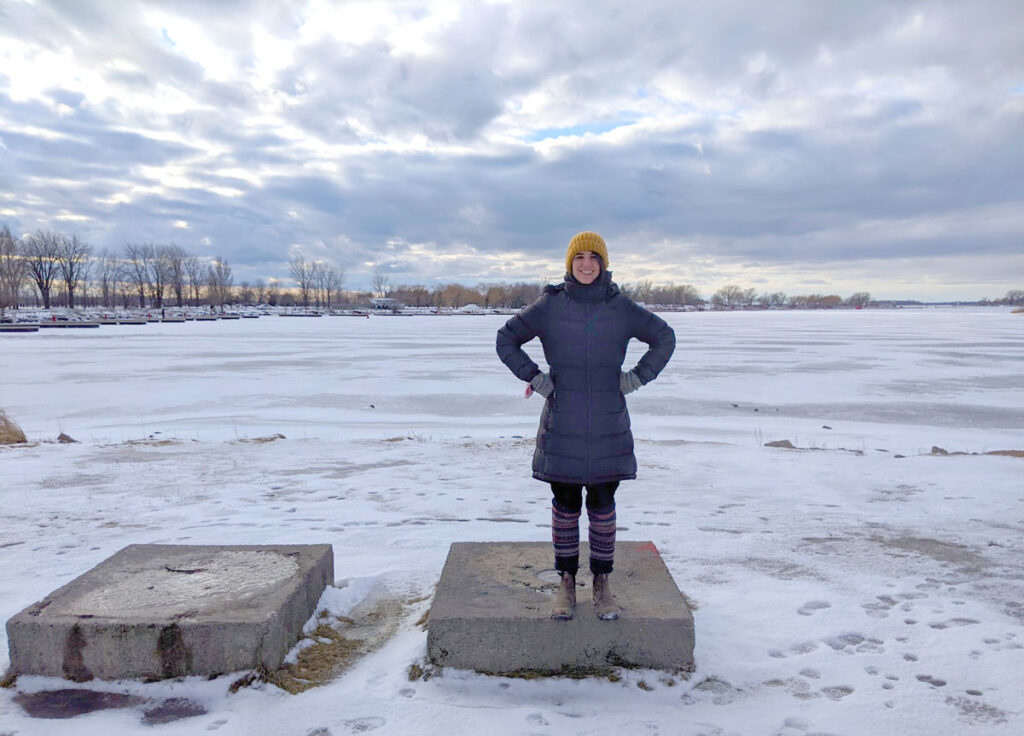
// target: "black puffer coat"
[[584, 434]]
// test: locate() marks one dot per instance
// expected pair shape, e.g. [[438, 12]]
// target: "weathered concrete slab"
[[157, 611], [491, 613]]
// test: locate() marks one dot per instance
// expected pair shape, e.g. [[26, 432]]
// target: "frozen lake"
[[859, 585], [932, 376]]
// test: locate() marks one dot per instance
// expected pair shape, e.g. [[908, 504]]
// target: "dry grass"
[[10, 433], [941, 452], [337, 645], [262, 440]]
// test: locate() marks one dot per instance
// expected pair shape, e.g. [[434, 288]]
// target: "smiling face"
[[586, 266]]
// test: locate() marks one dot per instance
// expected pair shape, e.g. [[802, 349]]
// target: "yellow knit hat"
[[586, 241]]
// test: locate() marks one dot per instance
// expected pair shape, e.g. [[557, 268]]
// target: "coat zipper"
[[590, 401]]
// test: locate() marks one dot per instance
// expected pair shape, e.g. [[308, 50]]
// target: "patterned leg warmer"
[[602, 539], [565, 535]]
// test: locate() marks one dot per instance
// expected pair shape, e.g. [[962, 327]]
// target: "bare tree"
[[317, 275], [13, 269], [381, 284], [245, 293], [273, 292], [174, 257], [687, 295], [220, 280], [301, 270], [414, 296], [732, 296], [41, 253], [334, 279], [195, 274], [137, 271], [495, 295], [642, 291], [125, 286], [456, 295], [105, 270], [859, 299], [74, 264], [259, 288], [159, 273], [771, 299]]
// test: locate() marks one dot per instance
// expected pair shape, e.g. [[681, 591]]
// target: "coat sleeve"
[[653, 330], [518, 331]]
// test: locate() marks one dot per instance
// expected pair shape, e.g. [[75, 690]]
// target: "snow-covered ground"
[[861, 585]]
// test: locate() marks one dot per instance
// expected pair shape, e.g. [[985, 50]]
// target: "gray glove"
[[629, 382], [543, 384]]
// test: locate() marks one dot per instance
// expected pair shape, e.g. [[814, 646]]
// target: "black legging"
[[570, 495]]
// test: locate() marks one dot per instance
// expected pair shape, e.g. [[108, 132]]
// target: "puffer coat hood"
[[584, 435]]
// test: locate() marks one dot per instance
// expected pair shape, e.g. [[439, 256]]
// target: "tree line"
[[455, 295], [732, 296], [64, 270]]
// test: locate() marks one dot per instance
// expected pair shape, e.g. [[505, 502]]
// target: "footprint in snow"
[[361, 725], [797, 724], [837, 692], [812, 607], [802, 648], [720, 691], [536, 719], [880, 607], [795, 686], [855, 644], [954, 622]]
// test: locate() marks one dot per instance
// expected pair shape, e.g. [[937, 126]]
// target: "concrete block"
[[491, 613], [156, 611]]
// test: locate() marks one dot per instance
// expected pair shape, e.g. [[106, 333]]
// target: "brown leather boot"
[[604, 602], [565, 598]]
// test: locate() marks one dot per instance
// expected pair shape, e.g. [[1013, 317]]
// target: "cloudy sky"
[[796, 146]]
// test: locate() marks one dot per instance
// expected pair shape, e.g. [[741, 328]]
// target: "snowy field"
[[860, 584]]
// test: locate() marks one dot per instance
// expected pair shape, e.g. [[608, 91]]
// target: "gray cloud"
[[759, 143]]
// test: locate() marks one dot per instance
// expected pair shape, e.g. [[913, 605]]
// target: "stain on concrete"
[[175, 657], [73, 665]]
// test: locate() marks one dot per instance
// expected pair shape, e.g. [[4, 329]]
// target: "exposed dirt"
[[337, 644]]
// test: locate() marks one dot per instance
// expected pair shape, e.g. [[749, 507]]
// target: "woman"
[[584, 325]]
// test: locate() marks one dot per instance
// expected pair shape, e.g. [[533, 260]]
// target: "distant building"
[[386, 302]]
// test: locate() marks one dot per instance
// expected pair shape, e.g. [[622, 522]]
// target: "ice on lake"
[[859, 584]]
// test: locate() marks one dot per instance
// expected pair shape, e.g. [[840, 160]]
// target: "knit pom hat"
[[586, 241]]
